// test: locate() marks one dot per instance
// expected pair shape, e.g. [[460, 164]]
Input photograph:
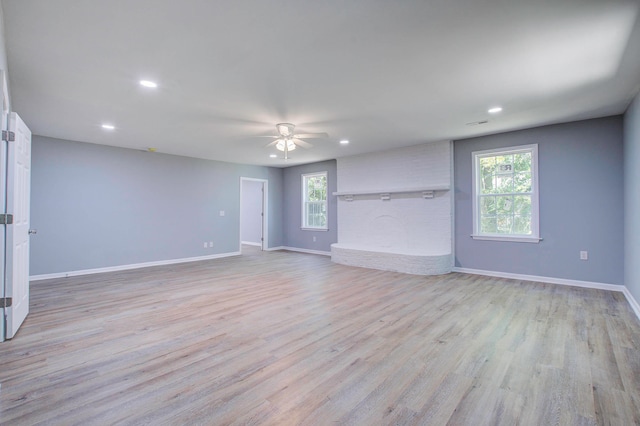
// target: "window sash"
[[314, 213], [509, 223]]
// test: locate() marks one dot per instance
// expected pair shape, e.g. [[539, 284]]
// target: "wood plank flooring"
[[289, 338]]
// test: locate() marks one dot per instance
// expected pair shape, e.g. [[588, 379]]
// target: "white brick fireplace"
[[394, 210]]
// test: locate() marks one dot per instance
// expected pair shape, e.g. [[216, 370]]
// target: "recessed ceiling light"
[[273, 156], [344, 142], [147, 83], [495, 110], [108, 126]]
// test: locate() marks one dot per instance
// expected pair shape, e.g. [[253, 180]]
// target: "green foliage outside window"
[[505, 191], [315, 201]]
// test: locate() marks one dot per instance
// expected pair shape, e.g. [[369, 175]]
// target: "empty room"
[[306, 212]]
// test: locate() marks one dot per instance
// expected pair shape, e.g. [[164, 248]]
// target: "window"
[[505, 194], [314, 201]]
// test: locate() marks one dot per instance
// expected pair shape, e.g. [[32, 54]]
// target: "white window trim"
[[304, 199], [535, 206]]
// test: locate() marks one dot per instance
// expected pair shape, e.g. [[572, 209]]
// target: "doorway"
[[253, 212]]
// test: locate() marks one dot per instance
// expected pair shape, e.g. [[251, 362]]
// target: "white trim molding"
[[299, 250], [632, 301], [130, 266], [305, 200], [265, 211], [536, 278], [476, 194], [507, 238], [560, 281]]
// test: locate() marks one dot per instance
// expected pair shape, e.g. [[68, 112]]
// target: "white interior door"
[[18, 195]]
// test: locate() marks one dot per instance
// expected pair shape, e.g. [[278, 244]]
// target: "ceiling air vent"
[[477, 123]]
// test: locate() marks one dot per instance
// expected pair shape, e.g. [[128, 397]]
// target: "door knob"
[[33, 231]]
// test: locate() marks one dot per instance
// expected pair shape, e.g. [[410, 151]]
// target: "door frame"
[[265, 210], [4, 123]]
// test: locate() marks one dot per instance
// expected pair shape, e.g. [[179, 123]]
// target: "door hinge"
[[6, 219], [8, 136], [5, 302]]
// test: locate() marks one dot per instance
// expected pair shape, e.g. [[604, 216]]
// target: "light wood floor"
[[290, 338]]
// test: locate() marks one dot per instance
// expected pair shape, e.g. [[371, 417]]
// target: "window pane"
[[487, 170], [487, 184], [504, 184], [522, 225], [488, 206], [504, 164], [316, 214], [487, 166], [504, 205], [488, 225], [504, 224], [522, 162], [522, 182], [522, 205]]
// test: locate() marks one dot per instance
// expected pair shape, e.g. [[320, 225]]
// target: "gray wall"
[[293, 235], [251, 214], [97, 206], [3, 47], [632, 198], [581, 194]]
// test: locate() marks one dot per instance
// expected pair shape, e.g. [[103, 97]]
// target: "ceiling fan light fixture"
[[285, 129], [281, 144]]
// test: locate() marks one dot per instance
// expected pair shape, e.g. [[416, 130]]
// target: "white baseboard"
[[130, 266], [250, 243], [300, 250], [536, 278], [632, 301], [561, 281]]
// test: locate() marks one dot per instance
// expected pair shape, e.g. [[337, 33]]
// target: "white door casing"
[[4, 121], [17, 234], [264, 207]]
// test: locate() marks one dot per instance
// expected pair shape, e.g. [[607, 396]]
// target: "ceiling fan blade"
[[302, 143], [272, 143], [311, 135], [263, 136]]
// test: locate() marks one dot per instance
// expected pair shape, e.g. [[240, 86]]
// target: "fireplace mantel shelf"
[[394, 191]]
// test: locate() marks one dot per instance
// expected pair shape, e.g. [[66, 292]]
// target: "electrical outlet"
[[584, 255], [210, 244], [221, 212], [205, 244], [314, 239]]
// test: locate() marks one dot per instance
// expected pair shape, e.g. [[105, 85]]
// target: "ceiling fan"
[[287, 140]]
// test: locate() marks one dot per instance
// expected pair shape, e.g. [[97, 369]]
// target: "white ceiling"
[[381, 73]]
